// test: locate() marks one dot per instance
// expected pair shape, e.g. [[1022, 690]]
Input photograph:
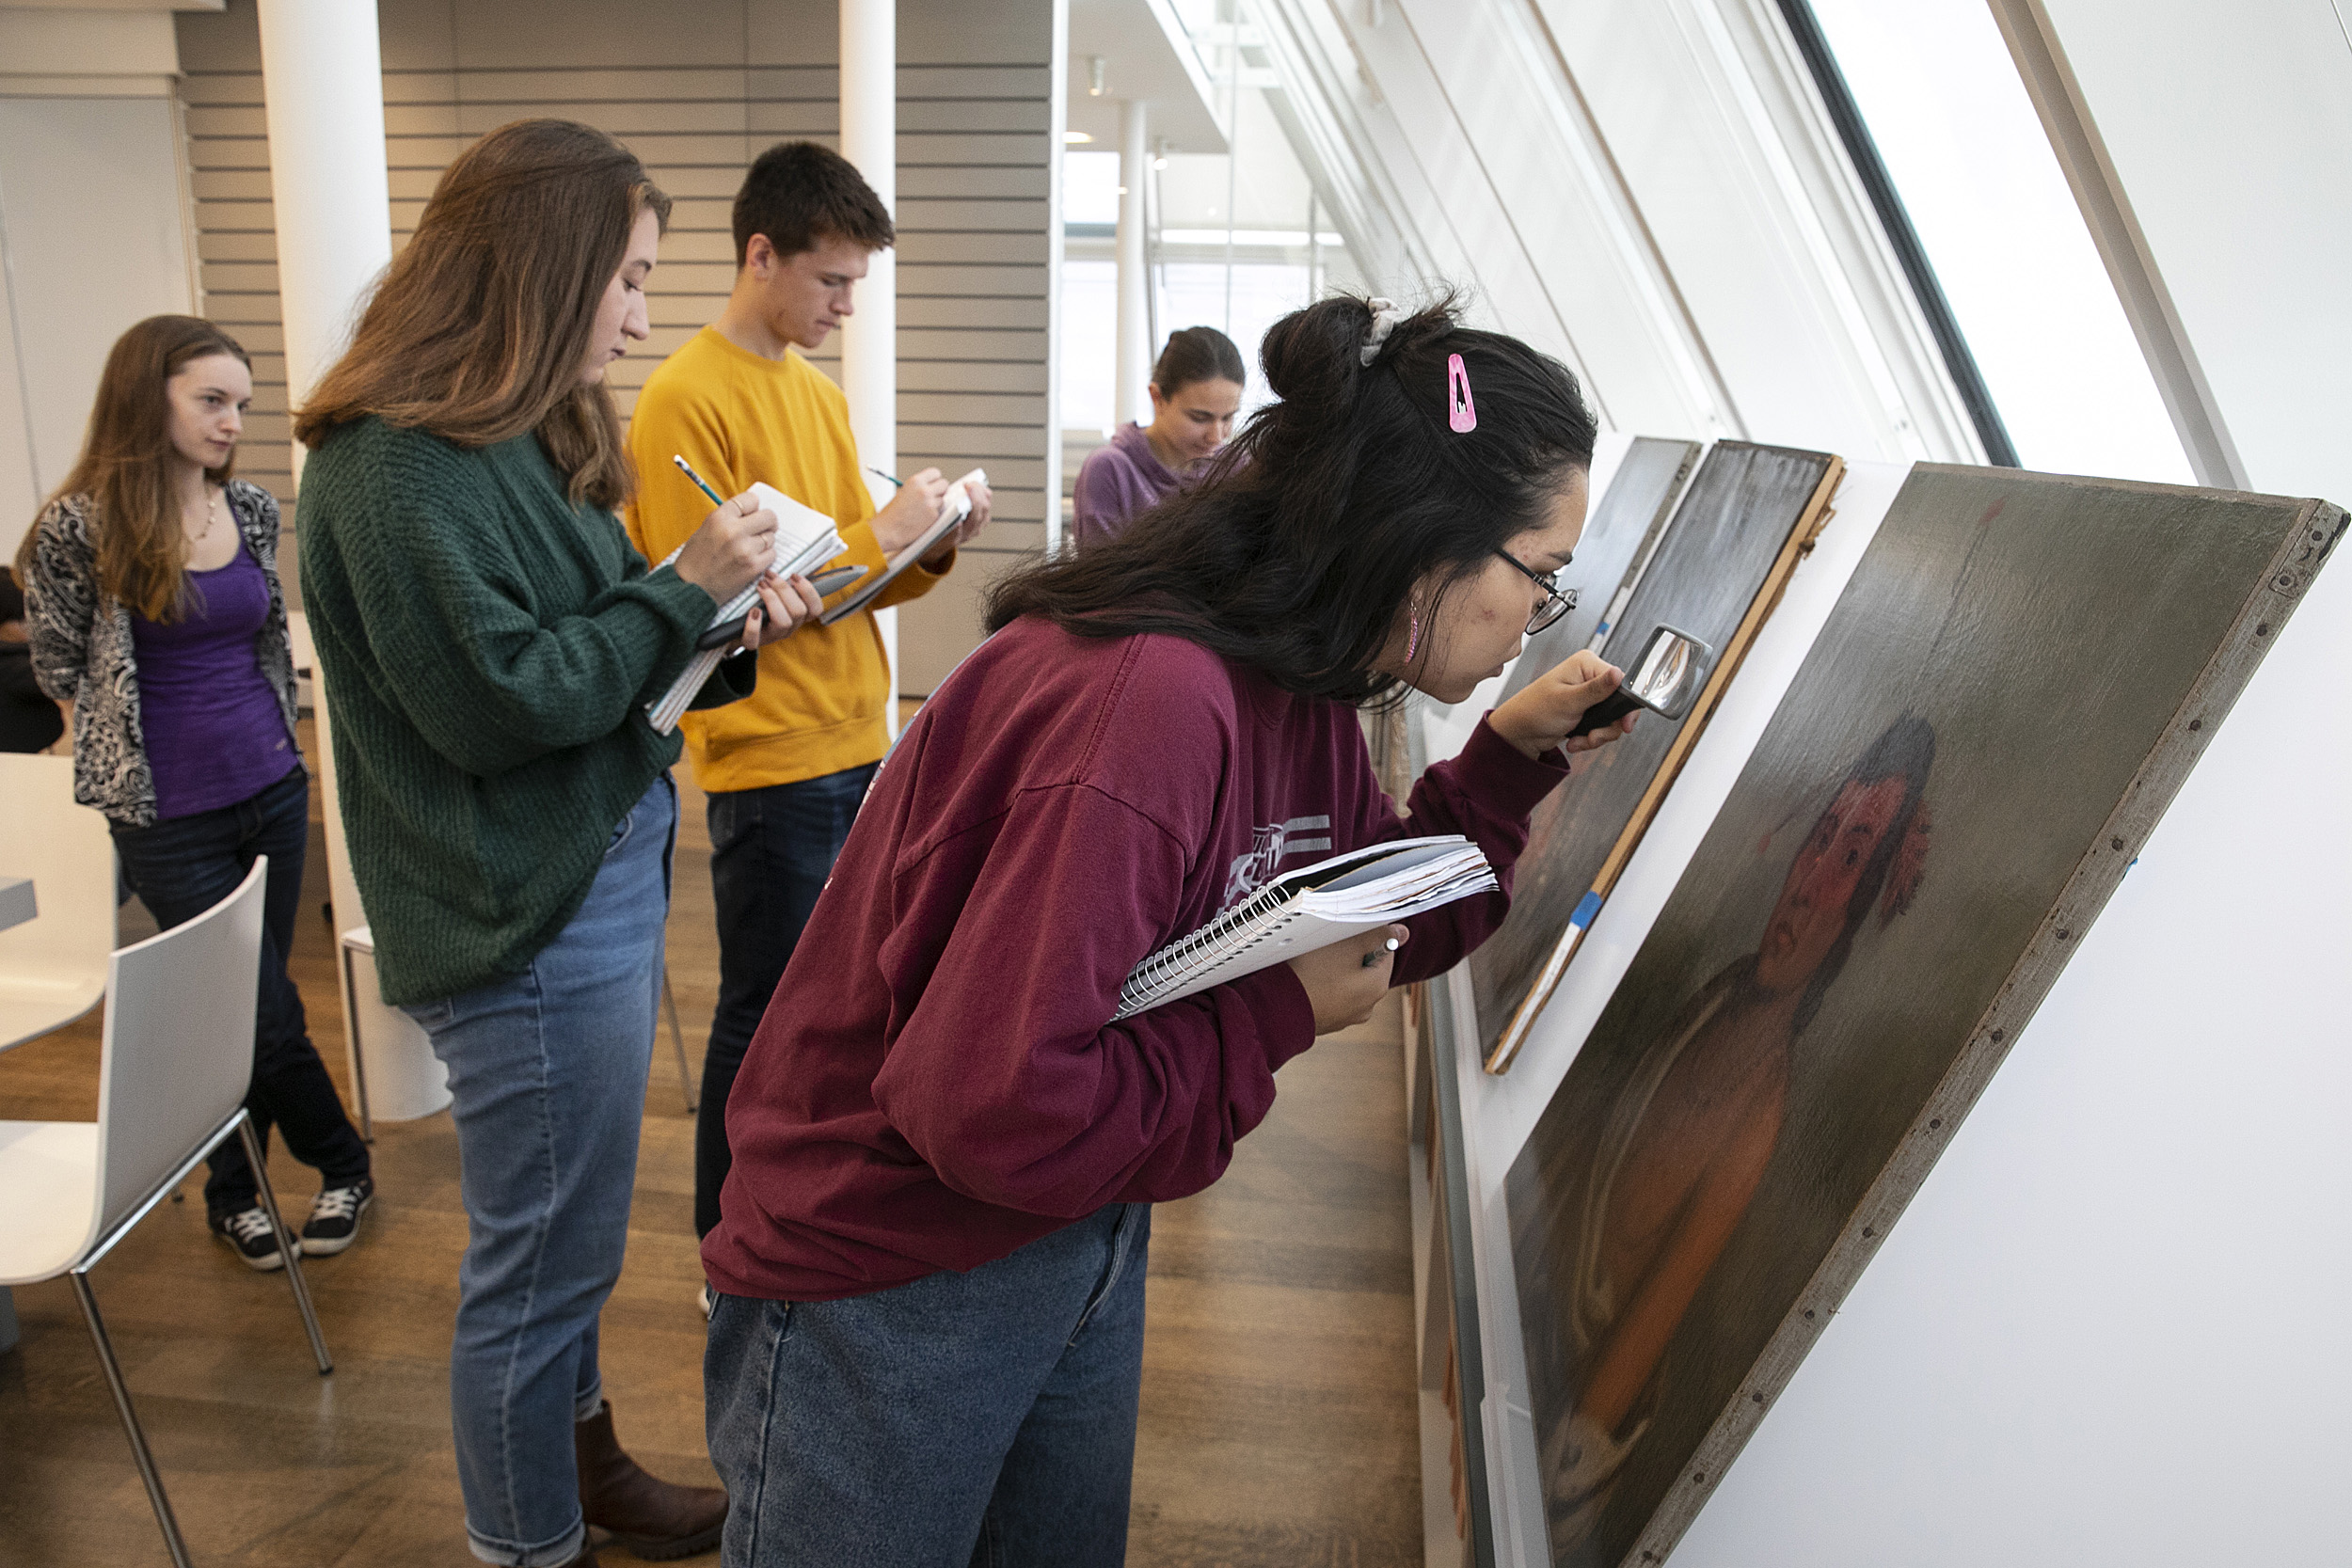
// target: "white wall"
[[2110, 1330], [94, 236]]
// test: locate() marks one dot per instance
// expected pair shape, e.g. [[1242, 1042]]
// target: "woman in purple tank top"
[[152, 595]]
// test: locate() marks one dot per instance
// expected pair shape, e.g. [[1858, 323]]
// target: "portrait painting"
[[1715, 574], [2009, 691], [1622, 528]]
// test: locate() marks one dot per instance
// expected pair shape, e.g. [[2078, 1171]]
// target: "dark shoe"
[[248, 1233], [587, 1558], [653, 1518], [334, 1222]]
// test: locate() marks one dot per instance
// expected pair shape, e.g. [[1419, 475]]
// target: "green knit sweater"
[[488, 650]]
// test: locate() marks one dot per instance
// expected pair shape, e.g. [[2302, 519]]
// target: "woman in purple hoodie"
[[1196, 393]]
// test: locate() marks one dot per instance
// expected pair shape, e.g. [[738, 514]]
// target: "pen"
[[688, 469], [896, 483]]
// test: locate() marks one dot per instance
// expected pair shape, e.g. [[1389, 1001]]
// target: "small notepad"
[[1311, 907]]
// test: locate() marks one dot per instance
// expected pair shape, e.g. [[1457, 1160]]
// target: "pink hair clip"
[[1461, 412]]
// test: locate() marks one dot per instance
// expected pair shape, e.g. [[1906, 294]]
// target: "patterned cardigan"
[[82, 652]]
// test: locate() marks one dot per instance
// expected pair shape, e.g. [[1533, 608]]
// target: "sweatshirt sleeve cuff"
[[1278, 1006], [1507, 778]]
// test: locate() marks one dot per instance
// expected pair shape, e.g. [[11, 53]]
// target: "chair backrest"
[[179, 1051], [66, 851]]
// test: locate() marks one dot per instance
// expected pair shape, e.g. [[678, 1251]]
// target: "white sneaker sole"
[[261, 1265], [316, 1248]]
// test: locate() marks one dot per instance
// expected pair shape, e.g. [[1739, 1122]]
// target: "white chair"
[[172, 1079], [53, 968]]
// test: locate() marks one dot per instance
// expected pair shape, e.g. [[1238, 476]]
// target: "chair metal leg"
[[131, 1426], [677, 1041], [288, 1245], [359, 1055]]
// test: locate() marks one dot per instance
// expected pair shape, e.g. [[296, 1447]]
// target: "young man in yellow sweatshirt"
[[785, 769]]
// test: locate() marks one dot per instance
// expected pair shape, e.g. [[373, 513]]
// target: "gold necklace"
[[212, 516]]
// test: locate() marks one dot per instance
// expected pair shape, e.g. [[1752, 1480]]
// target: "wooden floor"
[[1278, 1401]]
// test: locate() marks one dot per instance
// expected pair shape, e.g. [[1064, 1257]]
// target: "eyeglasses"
[[1557, 600]]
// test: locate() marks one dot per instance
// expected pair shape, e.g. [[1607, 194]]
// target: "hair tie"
[[1385, 315]]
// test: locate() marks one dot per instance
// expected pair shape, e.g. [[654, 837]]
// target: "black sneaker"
[[248, 1232], [334, 1222]]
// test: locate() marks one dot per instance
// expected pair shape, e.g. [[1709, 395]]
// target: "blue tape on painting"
[[1587, 908]]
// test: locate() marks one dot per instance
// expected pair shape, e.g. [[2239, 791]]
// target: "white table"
[[17, 905]]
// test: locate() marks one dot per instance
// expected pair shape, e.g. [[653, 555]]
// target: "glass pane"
[[1961, 140]]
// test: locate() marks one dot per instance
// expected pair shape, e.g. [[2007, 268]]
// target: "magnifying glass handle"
[[1607, 711]]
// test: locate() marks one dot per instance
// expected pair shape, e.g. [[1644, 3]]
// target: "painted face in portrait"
[[1817, 895]]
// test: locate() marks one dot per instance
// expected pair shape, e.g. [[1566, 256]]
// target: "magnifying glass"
[[1665, 679]]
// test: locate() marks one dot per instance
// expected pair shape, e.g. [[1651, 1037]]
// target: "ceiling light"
[[1074, 137]]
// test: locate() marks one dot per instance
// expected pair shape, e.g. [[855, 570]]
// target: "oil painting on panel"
[[2011, 688], [1719, 565], [1623, 528]]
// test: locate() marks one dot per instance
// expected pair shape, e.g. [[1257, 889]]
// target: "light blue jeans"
[[547, 1073], [984, 1418]]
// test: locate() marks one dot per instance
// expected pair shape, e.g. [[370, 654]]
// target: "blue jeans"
[[183, 866], [984, 1418], [770, 851], [547, 1075]]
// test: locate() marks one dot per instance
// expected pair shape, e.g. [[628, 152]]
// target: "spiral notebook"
[[805, 540], [1312, 906]]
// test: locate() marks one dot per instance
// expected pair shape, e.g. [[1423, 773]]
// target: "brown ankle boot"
[[650, 1516]]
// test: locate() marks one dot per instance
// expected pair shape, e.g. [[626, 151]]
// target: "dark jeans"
[[770, 851], [183, 866], [985, 1419]]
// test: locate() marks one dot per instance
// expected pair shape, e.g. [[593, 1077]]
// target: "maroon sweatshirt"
[[937, 1082]]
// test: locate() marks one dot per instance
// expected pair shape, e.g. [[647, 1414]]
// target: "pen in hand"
[[688, 469]]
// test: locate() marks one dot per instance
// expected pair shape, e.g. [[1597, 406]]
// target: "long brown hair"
[[125, 465], [479, 327]]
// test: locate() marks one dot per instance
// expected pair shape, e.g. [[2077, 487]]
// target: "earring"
[[1412, 642]]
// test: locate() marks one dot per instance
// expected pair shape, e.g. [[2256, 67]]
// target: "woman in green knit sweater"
[[490, 642]]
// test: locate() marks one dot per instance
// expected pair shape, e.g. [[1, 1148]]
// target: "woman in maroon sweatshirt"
[[928, 1333]]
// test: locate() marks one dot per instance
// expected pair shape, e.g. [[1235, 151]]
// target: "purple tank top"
[[214, 733]]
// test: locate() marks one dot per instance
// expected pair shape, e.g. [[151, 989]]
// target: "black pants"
[[770, 851], [183, 866]]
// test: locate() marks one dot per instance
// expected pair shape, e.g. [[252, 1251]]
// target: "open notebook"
[[805, 540], [1312, 906], [954, 507]]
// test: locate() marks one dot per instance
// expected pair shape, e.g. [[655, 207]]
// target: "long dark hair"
[[478, 331], [1315, 527], [125, 465]]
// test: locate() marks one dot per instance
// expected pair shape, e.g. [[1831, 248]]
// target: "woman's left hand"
[[783, 606], [1541, 716]]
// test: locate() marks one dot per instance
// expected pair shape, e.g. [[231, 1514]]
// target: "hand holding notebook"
[[1303, 911]]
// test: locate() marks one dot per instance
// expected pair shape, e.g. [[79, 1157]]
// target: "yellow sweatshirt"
[[738, 417]]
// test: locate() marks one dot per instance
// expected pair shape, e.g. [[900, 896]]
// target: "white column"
[[869, 338], [1135, 278], [322, 86]]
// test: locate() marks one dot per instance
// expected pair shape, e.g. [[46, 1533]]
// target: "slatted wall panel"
[[973, 117]]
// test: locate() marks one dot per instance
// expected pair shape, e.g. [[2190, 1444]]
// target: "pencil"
[[688, 469]]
